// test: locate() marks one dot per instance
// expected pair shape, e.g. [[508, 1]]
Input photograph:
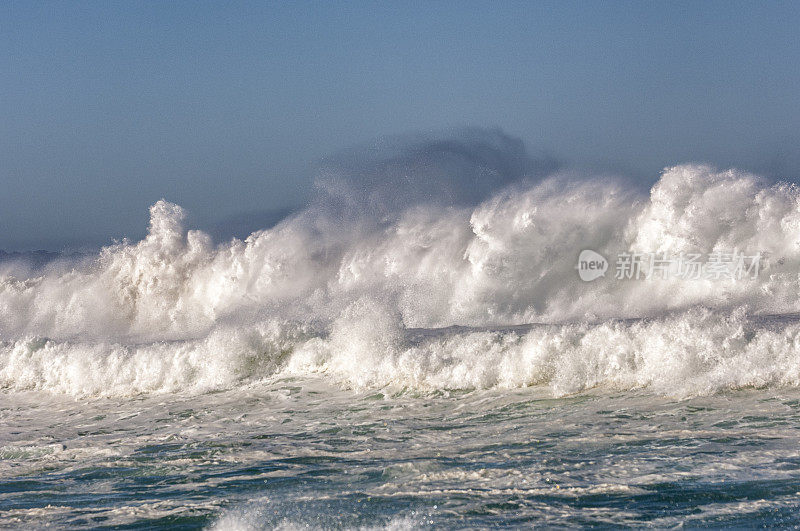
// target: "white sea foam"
[[328, 293], [690, 353]]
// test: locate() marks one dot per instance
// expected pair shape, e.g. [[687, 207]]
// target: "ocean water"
[[369, 363], [301, 453]]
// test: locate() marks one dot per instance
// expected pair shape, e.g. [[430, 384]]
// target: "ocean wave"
[[691, 353], [176, 311]]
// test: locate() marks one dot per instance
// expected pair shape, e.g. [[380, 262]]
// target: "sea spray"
[[324, 294]]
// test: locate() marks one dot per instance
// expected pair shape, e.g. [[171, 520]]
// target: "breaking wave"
[[697, 352], [357, 294]]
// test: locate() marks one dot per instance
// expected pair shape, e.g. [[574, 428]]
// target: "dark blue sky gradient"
[[225, 108]]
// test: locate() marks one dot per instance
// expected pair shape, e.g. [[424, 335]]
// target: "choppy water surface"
[[298, 452]]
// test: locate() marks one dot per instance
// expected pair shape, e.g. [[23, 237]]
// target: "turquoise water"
[[302, 453]]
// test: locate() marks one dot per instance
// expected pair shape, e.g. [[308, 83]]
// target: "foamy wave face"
[[697, 352], [691, 353], [174, 311], [227, 357]]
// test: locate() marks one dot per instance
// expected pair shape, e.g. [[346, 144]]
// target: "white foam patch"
[[692, 353], [697, 352], [226, 357]]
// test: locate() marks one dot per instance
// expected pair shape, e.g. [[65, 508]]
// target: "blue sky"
[[226, 107]]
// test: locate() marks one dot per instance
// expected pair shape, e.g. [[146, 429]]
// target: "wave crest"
[[176, 311]]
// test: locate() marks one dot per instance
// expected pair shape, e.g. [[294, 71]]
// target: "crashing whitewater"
[[426, 297]]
